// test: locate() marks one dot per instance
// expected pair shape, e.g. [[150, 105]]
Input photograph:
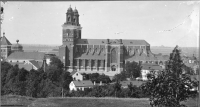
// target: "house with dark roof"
[[106, 56], [22, 57], [80, 85]]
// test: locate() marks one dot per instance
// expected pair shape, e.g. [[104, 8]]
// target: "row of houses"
[[85, 84]]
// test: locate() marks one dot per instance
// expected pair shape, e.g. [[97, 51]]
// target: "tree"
[[169, 87], [104, 79], [55, 70], [5, 67], [33, 81], [120, 77], [94, 77], [66, 80], [117, 87], [57, 62], [132, 69]]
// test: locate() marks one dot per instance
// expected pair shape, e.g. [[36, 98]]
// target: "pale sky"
[[166, 23]]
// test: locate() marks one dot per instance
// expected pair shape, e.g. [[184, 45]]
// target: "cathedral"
[[107, 56]]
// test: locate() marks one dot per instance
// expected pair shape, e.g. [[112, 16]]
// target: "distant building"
[[5, 47], [124, 84], [106, 56], [17, 47], [80, 85], [22, 57], [191, 62], [14, 54], [147, 68], [76, 76], [32, 64]]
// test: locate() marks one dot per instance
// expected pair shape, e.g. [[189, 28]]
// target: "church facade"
[[106, 56]]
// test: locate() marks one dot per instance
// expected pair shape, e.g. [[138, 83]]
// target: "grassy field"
[[80, 102]]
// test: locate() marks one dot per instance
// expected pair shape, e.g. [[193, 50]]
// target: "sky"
[[160, 23]]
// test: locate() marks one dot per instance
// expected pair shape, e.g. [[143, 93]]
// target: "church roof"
[[26, 55], [112, 41], [5, 41]]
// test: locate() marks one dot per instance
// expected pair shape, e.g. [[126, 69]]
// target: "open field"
[[15, 101]]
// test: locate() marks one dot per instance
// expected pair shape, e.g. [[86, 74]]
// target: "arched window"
[[68, 19], [113, 56], [113, 68]]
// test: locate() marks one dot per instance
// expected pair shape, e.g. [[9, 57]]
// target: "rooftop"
[[85, 83], [26, 56], [112, 41], [5, 41]]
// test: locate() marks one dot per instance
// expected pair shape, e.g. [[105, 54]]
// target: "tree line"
[[55, 80], [168, 88], [35, 83]]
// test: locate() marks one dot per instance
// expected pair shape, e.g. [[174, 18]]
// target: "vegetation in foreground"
[[81, 102], [51, 82], [172, 86]]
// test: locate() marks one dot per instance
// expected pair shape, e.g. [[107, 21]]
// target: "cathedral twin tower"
[[71, 32], [106, 56]]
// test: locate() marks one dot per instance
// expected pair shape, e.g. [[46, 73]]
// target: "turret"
[[69, 16], [76, 17]]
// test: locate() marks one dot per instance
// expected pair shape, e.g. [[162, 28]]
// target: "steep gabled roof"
[[26, 56], [5, 41], [85, 83], [73, 72], [33, 62]]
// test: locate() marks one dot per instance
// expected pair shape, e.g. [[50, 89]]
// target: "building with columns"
[[106, 56]]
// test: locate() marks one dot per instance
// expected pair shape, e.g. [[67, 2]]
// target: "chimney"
[[100, 82], [94, 83]]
